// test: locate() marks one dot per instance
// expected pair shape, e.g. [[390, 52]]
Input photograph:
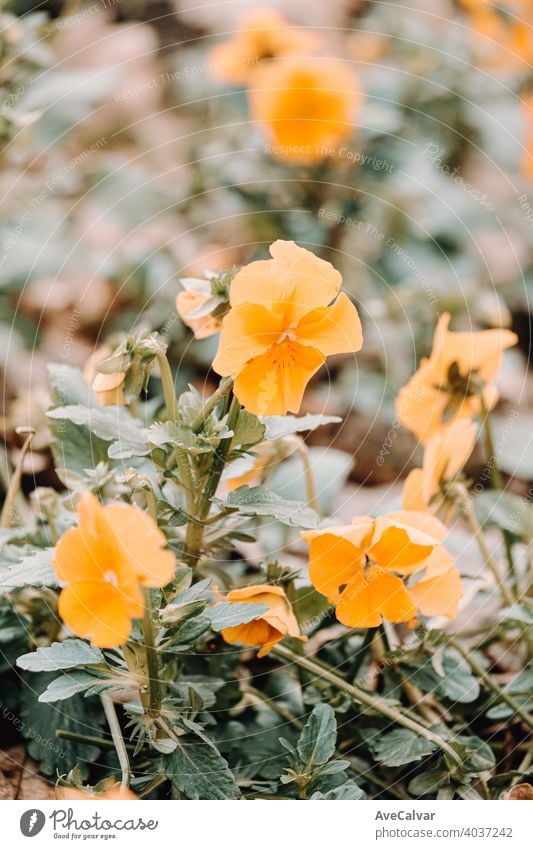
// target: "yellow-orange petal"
[[439, 590], [333, 561], [98, 611], [141, 544], [332, 330], [274, 383], [403, 539], [248, 331], [372, 595], [412, 498], [188, 302], [109, 388], [83, 552]]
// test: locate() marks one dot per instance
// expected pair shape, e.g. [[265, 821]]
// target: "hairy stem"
[[312, 499], [223, 389], [465, 504], [152, 660], [361, 697], [8, 507], [118, 740]]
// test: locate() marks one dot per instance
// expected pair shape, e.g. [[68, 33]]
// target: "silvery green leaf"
[[277, 427], [64, 655], [229, 614], [260, 501]]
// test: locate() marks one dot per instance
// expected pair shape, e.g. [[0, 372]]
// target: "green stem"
[[156, 781], [223, 389], [152, 660], [360, 654], [118, 740], [90, 740], [169, 389], [471, 519], [312, 499], [495, 474], [195, 529], [361, 697], [484, 676], [8, 510]]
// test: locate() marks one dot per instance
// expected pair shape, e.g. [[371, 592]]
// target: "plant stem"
[[156, 781], [118, 740], [312, 499], [195, 528], [223, 389], [471, 519], [484, 676], [152, 660], [89, 740], [169, 389], [361, 697], [495, 474], [360, 654], [6, 516]]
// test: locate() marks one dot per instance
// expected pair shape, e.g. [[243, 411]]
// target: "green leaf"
[[248, 432], [277, 427], [229, 614], [68, 685], [477, 755], [316, 743], [521, 689], [68, 386], [429, 781], [402, 746], [347, 791], [109, 424], [198, 770], [260, 501], [40, 722], [65, 655], [505, 510], [34, 570]]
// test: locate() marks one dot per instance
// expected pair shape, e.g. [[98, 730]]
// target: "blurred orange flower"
[[280, 328], [264, 34], [115, 793], [444, 457], [527, 110], [277, 622], [266, 452], [505, 30], [455, 382], [108, 388], [358, 566], [188, 303], [306, 106], [114, 550], [439, 589]]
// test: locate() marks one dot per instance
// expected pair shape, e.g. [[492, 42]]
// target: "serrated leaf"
[[249, 431], [477, 755], [230, 614], [402, 746], [260, 501], [316, 743], [66, 655], [198, 770], [428, 782], [68, 386], [33, 570], [277, 427]]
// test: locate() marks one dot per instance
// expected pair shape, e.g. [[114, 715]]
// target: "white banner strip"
[[256, 825]]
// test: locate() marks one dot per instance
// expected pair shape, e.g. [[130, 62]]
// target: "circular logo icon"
[[32, 822]]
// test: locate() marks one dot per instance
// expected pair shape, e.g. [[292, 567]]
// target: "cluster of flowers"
[[284, 317]]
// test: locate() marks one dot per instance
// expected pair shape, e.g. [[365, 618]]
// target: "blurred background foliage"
[[126, 163]]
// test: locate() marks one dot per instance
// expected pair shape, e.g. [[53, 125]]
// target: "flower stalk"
[[152, 660], [118, 740], [169, 389], [8, 508]]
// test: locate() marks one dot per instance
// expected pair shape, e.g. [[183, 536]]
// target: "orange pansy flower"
[[187, 303], [456, 380], [264, 34], [361, 567], [439, 589], [277, 622], [305, 105], [280, 328], [444, 457], [114, 551]]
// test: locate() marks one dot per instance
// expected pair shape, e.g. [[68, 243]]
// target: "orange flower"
[[188, 303], [444, 457], [505, 30], [115, 793], [105, 560], [527, 109], [455, 382], [264, 34], [305, 105], [439, 589], [279, 621], [280, 328], [108, 388], [358, 566], [266, 453]]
